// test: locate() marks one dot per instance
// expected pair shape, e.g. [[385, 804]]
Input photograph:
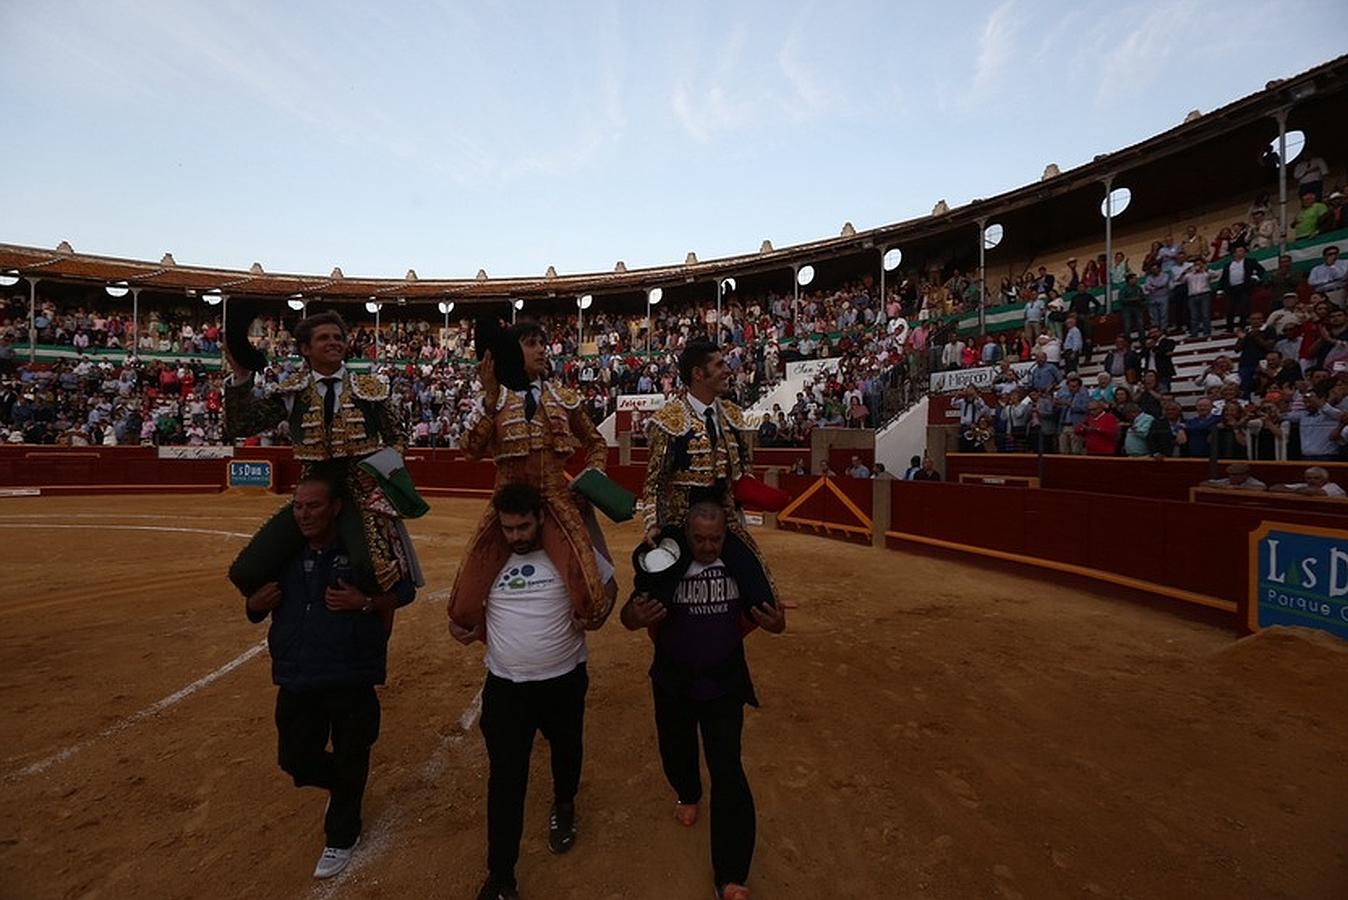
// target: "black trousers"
[[1238, 306], [511, 712], [721, 722], [305, 722]]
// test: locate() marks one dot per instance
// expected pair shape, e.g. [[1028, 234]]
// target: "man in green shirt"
[[1307, 221], [1130, 304]]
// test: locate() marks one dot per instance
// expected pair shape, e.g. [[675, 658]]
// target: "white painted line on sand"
[[148, 712], [380, 835], [35, 525]]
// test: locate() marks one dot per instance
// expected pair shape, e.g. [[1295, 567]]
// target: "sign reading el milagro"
[[1299, 576]]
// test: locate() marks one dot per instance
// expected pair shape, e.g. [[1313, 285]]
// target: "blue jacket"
[[313, 647]]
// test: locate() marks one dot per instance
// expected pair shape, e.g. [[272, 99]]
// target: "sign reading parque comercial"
[[249, 473], [1299, 576]]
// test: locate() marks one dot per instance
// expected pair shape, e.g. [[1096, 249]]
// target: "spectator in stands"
[[1157, 357], [1287, 312], [1198, 285], [1073, 344], [1238, 478], [1073, 404], [826, 470], [1130, 305], [1119, 269], [1137, 431], [1307, 222], [1035, 311], [1147, 395], [1253, 345], [1123, 358], [1198, 429], [1319, 426], [1329, 276], [1099, 432], [1285, 279], [1230, 436], [1261, 231], [857, 413], [914, 466], [928, 471], [1044, 376], [1317, 484], [1238, 278], [1157, 291], [1194, 245], [1104, 388], [881, 473], [971, 408], [1337, 217], [1084, 305], [1217, 373], [856, 468], [1310, 174]]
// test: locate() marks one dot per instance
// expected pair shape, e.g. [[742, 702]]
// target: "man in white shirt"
[[1329, 277], [536, 682]]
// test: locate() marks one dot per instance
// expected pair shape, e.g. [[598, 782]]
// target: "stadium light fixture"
[[515, 306], [802, 276], [722, 285], [371, 307], [117, 290], [653, 296], [212, 298], [583, 302], [296, 302], [989, 236], [9, 278], [1116, 200], [889, 261], [446, 307]]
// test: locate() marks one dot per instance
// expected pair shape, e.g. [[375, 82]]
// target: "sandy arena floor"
[[929, 728]]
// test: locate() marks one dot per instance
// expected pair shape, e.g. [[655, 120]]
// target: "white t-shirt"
[[531, 635]]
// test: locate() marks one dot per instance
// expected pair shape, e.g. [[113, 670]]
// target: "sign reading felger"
[[1299, 576]]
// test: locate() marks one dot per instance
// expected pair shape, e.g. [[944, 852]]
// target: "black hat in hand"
[[506, 353], [657, 570], [242, 312]]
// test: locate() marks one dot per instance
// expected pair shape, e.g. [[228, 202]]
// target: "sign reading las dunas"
[[1299, 576]]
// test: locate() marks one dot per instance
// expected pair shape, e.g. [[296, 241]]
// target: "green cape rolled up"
[[609, 497], [279, 541]]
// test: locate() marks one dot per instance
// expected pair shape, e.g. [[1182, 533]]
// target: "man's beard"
[[522, 547]]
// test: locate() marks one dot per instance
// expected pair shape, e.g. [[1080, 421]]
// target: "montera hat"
[[506, 353], [657, 570]]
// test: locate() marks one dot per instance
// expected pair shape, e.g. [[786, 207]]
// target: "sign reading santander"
[[1299, 576]]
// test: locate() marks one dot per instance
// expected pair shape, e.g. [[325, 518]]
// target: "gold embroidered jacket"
[[683, 457], [363, 423], [560, 425]]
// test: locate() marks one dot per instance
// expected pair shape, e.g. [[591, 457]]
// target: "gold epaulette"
[[568, 397], [297, 380], [672, 418], [369, 387], [734, 416]]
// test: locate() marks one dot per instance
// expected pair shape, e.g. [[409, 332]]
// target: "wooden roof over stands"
[[1218, 149]]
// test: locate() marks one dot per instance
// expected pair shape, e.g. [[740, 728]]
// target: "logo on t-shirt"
[[521, 578], [707, 592]]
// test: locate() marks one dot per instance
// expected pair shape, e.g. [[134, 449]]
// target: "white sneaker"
[[334, 860]]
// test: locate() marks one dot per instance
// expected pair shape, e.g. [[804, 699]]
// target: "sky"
[[448, 137]]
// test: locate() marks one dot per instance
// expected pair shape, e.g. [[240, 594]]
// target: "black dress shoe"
[[562, 827]]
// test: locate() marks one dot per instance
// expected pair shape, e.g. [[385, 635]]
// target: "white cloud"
[[998, 45]]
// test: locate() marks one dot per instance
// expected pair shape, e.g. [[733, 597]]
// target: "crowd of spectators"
[[1282, 395]]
